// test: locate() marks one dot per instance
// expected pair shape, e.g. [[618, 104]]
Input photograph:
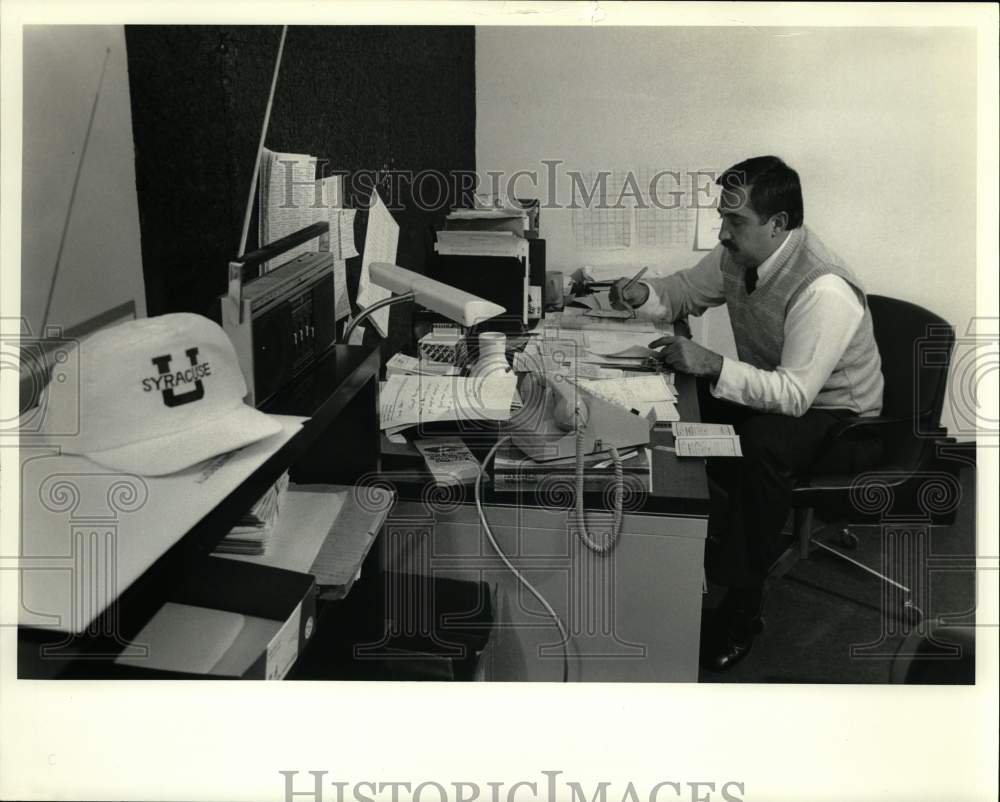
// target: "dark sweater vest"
[[758, 322]]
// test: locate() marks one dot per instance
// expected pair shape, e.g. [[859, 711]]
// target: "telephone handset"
[[556, 410], [560, 418]]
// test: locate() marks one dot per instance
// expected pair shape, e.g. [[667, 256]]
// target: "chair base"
[[806, 542]]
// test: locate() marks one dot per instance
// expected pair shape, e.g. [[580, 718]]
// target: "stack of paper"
[[493, 233], [403, 365], [252, 534], [641, 393], [544, 356], [481, 243], [706, 440], [607, 337], [507, 219], [410, 400], [183, 637], [512, 470], [287, 197]]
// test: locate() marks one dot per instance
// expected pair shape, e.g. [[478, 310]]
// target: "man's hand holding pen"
[[628, 293]]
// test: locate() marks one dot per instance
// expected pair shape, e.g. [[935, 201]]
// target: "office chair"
[[915, 346]]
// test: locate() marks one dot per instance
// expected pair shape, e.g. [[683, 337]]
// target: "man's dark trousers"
[[779, 451]]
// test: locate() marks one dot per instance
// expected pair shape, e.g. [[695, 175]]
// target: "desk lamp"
[[455, 304]]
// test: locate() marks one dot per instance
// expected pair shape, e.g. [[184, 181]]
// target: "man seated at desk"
[[807, 362]]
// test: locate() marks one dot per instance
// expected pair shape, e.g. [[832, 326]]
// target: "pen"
[[634, 279], [626, 368]]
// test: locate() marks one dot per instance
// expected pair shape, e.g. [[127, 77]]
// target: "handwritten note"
[[381, 240], [641, 393], [408, 400]]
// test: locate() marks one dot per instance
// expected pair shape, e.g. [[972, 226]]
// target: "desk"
[[633, 615]]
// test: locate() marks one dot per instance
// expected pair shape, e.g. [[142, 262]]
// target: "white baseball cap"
[[156, 396]]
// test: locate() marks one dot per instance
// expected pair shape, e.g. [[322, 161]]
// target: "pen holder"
[[492, 355], [554, 290]]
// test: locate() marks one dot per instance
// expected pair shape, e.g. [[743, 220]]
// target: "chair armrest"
[[875, 424], [872, 424]]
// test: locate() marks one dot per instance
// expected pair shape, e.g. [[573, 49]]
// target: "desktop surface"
[[679, 485]]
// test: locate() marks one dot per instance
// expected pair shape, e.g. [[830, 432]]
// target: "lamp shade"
[[455, 304]]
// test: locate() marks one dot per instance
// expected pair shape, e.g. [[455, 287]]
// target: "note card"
[[709, 447], [706, 440]]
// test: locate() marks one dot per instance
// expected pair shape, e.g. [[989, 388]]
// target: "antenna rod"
[[260, 145], [72, 194]]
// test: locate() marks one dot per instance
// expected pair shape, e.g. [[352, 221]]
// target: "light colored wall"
[[879, 122], [101, 262]]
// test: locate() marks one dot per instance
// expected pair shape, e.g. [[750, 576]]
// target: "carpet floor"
[[828, 621]]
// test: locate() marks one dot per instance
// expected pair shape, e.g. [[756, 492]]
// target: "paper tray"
[[278, 610], [326, 531]]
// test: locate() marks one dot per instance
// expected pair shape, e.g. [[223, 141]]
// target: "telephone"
[[560, 418], [559, 413]]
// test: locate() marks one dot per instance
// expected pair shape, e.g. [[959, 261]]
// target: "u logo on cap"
[[170, 398]]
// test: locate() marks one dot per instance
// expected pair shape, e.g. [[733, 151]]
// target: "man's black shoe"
[[729, 647], [728, 635]]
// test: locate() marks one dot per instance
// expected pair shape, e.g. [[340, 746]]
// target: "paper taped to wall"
[[381, 240]]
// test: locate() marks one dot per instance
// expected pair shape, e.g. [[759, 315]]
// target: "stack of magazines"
[[253, 533], [512, 470]]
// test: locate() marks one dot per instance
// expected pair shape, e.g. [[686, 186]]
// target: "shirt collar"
[[767, 266]]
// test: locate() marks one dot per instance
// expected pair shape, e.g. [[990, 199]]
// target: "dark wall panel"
[[359, 98]]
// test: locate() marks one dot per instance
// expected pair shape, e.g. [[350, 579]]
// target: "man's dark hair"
[[774, 187]]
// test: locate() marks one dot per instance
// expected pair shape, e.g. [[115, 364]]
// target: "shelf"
[[93, 580], [72, 507], [326, 531]]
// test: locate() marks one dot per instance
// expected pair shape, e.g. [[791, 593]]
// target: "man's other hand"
[[687, 356], [632, 298]]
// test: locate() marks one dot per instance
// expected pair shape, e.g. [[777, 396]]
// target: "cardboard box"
[[226, 619]]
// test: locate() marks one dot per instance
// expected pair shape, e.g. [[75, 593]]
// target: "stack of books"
[[513, 470], [252, 534]]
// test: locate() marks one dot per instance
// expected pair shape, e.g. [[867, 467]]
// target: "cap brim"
[[238, 427]]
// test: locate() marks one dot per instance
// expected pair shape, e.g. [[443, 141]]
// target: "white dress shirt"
[[818, 328]]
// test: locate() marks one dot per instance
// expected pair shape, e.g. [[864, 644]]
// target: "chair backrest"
[[915, 346]]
